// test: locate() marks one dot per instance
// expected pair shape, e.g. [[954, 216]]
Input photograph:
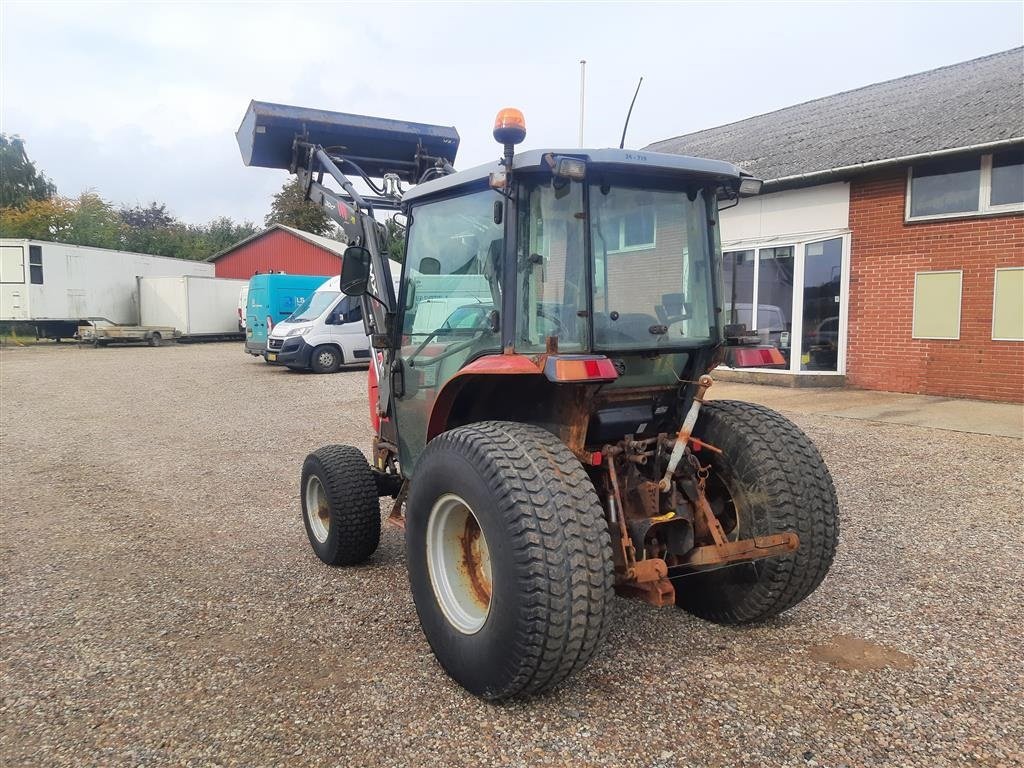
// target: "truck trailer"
[[57, 287], [194, 306]]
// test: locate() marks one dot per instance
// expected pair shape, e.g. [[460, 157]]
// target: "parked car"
[[324, 334], [272, 298], [821, 345]]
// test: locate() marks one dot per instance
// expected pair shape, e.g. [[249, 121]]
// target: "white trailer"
[[193, 306], [57, 287]]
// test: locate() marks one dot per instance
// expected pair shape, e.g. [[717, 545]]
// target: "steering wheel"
[[555, 322]]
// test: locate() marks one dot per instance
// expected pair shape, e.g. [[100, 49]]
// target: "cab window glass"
[[452, 277], [552, 268]]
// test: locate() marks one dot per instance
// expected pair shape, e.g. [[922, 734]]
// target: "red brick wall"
[[278, 251], [885, 254]]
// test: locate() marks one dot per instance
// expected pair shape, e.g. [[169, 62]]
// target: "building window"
[[1008, 305], [799, 294], [1007, 186], [937, 305], [775, 297], [738, 281], [964, 186], [35, 264]]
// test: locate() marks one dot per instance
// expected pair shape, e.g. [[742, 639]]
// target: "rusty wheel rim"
[[318, 511], [459, 563]]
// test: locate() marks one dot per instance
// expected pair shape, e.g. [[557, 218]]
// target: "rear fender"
[[512, 388]]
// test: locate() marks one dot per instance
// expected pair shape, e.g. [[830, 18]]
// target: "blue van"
[[272, 298]]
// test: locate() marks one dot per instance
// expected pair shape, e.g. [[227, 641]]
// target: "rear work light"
[[568, 368]]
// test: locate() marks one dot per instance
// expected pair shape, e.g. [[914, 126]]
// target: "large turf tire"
[[550, 557], [338, 490], [777, 480]]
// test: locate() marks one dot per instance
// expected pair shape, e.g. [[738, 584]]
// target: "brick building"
[[887, 250], [280, 249]]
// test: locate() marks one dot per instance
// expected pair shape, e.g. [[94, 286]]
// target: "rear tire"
[[340, 507], [154, 339], [325, 359], [539, 606], [770, 478]]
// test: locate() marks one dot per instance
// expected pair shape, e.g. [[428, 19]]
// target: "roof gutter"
[[796, 179]]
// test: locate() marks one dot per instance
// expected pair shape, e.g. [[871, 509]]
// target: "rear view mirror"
[[355, 271]]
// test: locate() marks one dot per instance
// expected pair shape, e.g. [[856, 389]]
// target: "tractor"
[[539, 395]]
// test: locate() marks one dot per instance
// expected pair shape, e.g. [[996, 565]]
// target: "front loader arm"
[[354, 213]]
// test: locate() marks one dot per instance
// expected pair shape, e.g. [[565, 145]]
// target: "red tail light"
[[564, 368]]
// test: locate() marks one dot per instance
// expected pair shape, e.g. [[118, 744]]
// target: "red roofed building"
[[280, 249]]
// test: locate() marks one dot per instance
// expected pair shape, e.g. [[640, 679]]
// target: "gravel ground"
[[161, 605]]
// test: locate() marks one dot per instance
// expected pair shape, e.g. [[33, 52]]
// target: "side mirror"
[[355, 271]]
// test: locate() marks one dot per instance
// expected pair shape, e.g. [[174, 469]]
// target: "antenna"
[[629, 114], [583, 88]]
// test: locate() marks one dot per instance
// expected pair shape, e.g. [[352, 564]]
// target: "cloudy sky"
[[141, 101]]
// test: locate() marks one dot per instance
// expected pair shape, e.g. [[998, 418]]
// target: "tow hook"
[[704, 382]]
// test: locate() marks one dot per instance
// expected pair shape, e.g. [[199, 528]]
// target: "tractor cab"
[[595, 268]]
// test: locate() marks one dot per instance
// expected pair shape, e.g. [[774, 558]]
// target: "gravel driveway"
[[161, 605]]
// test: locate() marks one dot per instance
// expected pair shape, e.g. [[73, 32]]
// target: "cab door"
[[451, 297]]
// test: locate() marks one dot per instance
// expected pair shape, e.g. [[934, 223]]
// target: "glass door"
[[822, 302]]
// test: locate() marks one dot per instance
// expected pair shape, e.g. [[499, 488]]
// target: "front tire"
[[509, 558], [340, 506], [154, 339], [768, 479], [325, 359]]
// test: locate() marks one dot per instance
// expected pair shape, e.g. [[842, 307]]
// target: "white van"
[[325, 334]]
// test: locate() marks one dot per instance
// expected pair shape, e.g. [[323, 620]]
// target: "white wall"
[[785, 215]]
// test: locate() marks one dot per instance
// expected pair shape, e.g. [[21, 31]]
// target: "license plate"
[[272, 356]]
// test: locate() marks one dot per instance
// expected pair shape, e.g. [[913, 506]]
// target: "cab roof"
[[629, 160]]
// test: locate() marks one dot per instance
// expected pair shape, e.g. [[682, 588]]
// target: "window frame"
[[995, 296], [799, 245], [959, 305], [985, 207], [35, 264], [623, 248]]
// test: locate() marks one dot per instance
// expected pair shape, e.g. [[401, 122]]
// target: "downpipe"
[[703, 383]]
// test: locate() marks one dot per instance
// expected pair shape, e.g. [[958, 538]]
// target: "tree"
[[93, 222], [19, 179], [394, 240], [37, 219], [153, 216], [291, 208]]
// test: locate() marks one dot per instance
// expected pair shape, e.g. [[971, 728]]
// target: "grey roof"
[[970, 104], [612, 159], [334, 246]]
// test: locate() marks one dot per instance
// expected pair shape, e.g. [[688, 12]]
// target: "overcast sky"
[[141, 102]]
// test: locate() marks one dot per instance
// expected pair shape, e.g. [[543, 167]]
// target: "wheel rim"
[[723, 504], [318, 511], [326, 359], [459, 563]]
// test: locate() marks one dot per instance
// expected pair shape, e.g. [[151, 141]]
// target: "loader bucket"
[[379, 145]]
